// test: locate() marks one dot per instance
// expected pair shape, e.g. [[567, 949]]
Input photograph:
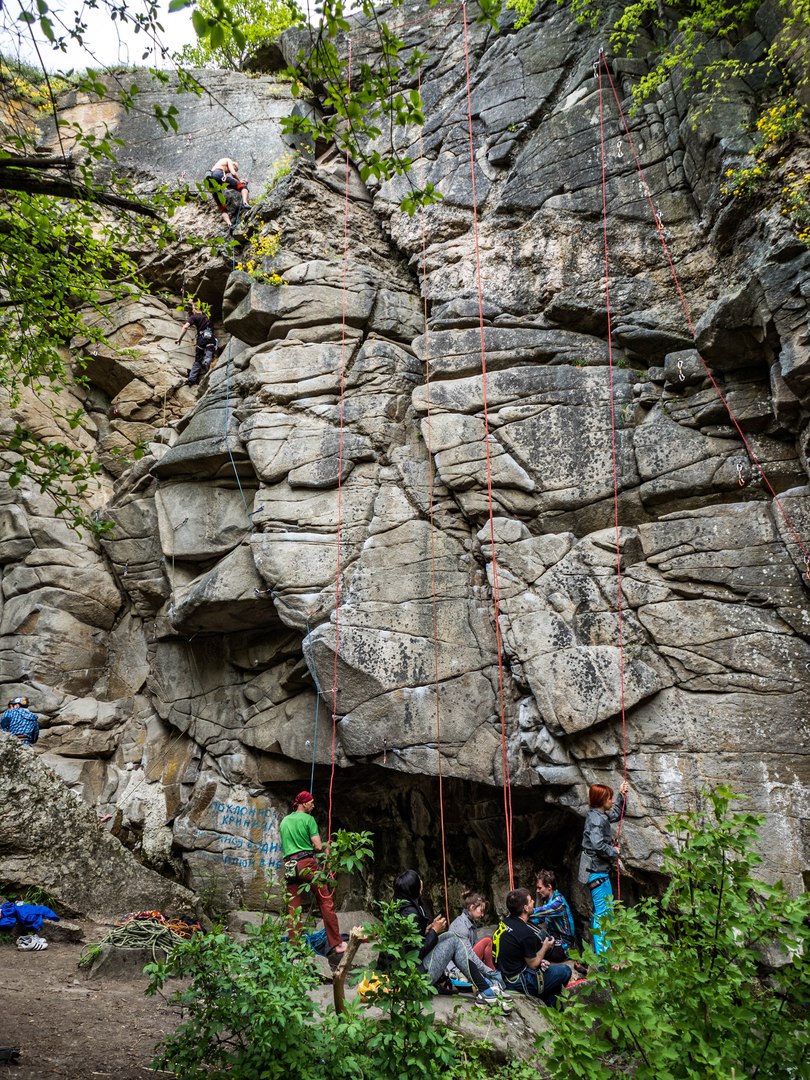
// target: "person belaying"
[[522, 955], [440, 949], [599, 854], [20, 721], [300, 841], [225, 173], [206, 344]]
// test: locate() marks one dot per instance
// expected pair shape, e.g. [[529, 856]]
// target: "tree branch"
[[34, 184], [13, 161], [356, 939]]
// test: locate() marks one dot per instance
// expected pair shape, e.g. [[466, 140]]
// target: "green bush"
[[248, 1014], [686, 995], [407, 1042]]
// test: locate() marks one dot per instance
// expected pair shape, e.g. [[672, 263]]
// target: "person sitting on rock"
[[554, 914], [522, 956], [206, 345], [300, 841], [439, 949], [225, 173], [466, 928], [20, 721]]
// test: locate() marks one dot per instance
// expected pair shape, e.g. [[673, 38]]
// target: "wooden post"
[[356, 939]]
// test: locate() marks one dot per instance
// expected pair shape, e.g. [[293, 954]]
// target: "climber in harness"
[[599, 854], [20, 721], [300, 842], [206, 345], [225, 174], [521, 953]]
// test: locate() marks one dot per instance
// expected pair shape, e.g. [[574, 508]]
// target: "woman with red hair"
[[599, 854]]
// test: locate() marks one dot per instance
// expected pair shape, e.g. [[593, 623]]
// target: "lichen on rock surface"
[[185, 666]]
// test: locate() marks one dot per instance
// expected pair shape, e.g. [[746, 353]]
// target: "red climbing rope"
[[507, 788], [614, 456], [660, 229], [340, 456], [432, 525]]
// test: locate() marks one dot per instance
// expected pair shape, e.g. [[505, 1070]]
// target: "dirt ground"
[[73, 1028]]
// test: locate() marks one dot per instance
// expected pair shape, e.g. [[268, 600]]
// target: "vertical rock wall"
[[185, 666]]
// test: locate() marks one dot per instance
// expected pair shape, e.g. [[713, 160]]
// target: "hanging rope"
[[507, 788], [660, 230], [431, 522], [614, 457], [340, 452], [225, 428]]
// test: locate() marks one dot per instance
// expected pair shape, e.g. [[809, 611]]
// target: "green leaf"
[[200, 23]]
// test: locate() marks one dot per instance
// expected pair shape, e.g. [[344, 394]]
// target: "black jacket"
[[407, 894]]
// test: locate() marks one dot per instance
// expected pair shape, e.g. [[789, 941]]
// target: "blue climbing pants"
[[602, 900]]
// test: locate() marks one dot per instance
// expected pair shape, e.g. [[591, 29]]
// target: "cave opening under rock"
[[403, 812]]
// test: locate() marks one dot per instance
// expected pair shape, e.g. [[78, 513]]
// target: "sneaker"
[[501, 992], [489, 997], [31, 943]]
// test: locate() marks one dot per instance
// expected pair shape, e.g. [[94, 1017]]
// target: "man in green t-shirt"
[[299, 842]]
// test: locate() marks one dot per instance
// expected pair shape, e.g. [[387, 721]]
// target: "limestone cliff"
[[185, 666]]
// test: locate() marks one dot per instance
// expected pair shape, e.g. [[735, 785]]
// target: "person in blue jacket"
[[554, 911], [20, 721]]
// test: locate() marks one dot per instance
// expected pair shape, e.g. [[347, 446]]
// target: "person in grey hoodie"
[[599, 854], [465, 926]]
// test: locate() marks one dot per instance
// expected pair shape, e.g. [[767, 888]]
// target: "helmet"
[[21, 701]]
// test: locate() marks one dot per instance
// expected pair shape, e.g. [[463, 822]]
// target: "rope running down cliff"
[[660, 230], [496, 592]]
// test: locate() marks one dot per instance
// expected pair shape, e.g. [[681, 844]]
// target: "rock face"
[[53, 840], [323, 529]]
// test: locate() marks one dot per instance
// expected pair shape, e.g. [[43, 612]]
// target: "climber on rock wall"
[[20, 721], [206, 341], [225, 173]]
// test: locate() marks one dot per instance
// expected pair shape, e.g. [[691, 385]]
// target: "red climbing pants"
[[306, 868]]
